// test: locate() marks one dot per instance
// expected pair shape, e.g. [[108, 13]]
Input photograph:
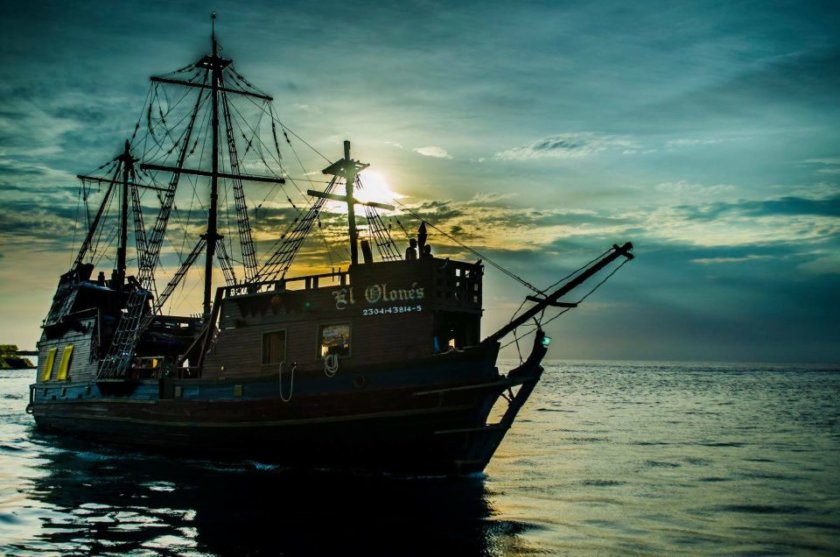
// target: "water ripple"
[[611, 458]]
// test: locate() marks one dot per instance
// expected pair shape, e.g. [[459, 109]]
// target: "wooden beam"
[[246, 177], [203, 86], [343, 199], [110, 181], [552, 304]]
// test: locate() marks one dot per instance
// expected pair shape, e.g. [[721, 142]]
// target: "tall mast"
[[348, 169], [127, 162], [349, 182], [216, 66]]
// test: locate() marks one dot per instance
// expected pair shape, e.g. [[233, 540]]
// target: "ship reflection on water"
[[109, 502]]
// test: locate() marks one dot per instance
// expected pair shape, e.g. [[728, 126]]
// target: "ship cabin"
[[374, 313], [371, 314], [82, 321]]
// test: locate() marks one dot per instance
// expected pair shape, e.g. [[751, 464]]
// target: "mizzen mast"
[[349, 169]]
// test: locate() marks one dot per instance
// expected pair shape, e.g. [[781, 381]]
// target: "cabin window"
[[274, 347], [334, 339]]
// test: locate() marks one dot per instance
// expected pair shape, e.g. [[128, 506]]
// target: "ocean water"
[[607, 458]]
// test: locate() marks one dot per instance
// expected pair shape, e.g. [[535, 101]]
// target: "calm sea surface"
[[607, 458]]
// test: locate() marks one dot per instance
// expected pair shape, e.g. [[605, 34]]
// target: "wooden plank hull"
[[429, 417]]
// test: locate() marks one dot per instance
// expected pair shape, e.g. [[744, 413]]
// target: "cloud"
[[495, 199], [826, 160], [683, 188], [433, 151], [568, 146], [826, 165], [782, 89], [719, 260], [491, 221], [787, 205], [823, 265], [694, 142], [705, 226]]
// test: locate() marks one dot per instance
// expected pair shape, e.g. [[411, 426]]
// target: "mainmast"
[[213, 67], [215, 64], [137, 317]]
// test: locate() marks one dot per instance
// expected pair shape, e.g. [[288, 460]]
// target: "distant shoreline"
[[11, 358]]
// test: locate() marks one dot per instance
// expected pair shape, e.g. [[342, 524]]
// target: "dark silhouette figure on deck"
[[427, 252], [411, 250]]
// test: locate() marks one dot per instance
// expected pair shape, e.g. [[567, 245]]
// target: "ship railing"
[[175, 323], [156, 367], [304, 282], [147, 367], [458, 283]]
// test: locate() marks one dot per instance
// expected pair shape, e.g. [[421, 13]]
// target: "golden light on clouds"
[[375, 187]]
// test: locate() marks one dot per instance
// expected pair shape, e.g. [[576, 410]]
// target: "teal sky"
[[704, 132]]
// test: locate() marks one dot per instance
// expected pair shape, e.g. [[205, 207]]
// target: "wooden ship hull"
[[381, 366], [421, 417], [265, 386]]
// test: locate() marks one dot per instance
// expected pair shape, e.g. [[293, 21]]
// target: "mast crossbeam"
[[343, 199], [205, 86], [196, 172], [110, 181]]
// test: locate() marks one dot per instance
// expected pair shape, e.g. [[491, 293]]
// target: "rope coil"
[[331, 365]]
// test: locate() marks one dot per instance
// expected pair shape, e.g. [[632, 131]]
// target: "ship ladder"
[[119, 356]]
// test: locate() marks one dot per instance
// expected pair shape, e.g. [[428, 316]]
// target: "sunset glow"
[[539, 136]]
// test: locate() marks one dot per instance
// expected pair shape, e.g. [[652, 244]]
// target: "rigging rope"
[[510, 274], [542, 324], [246, 240]]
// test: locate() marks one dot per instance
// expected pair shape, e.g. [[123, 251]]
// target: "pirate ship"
[[376, 365]]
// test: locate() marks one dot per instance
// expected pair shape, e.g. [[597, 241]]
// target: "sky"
[[538, 133]]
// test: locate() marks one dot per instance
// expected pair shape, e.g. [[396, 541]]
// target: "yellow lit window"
[[334, 339], [46, 372], [64, 366]]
